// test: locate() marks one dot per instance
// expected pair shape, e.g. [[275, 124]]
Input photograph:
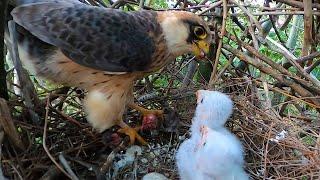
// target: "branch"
[[6, 122], [298, 3], [222, 33], [289, 56], [279, 77], [44, 137], [307, 37]]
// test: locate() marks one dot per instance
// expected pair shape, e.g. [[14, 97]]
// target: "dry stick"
[[230, 59], [249, 14], [44, 140], [298, 4], [286, 23], [303, 59], [107, 164], [223, 31], [315, 64], [307, 36], [275, 29], [1, 141], [266, 151], [296, 87], [192, 67], [285, 93], [212, 6], [289, 56], [276, 13], [269, 61], [6, 123], [65, 164], [309, 57]]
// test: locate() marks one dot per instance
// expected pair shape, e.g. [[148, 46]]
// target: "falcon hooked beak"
[[200, 49]]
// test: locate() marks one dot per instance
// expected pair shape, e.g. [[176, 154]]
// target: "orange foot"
[[144, 111], [132, 133]]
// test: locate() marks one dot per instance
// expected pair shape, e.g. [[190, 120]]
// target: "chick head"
[[213, 108]]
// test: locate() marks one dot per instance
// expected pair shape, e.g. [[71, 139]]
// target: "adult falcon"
[[104, 50]]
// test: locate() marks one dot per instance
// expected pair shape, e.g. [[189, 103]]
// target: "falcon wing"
[[99, 38]]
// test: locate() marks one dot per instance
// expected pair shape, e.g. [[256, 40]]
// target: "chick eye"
[[200, 32], [201, 100]]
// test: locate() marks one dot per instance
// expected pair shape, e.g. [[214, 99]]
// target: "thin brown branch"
[[307, 37], [281, 49], [298, 4], [6, 122], [296, 87], [251, 18], [44, 137], [222, 33], [312, 66]]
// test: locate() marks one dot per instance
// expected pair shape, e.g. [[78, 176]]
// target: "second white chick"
[[212, 152]]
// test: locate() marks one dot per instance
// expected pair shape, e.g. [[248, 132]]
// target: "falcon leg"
[[145, 111], [131, 132]]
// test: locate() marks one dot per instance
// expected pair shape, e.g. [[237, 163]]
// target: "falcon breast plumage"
[[104, 50]]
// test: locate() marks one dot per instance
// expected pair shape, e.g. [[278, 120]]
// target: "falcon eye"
[[200, 32]]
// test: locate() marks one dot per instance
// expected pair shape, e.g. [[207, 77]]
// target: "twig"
[[270, 62], [249, 14], [298, 3], [44, 140], [106, 165], [307, 37], [223, 31], [309, 57], [16, 170], [212, 6], [67, 167], [312, 66], [6, 122], [298, 88], [190, 73], [1, 141], [289, 56]]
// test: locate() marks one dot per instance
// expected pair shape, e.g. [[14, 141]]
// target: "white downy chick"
[[185, 159], [219, 156], [213, 110], [212, 152]]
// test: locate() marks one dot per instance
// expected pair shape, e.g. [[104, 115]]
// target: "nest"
[[45, 135]]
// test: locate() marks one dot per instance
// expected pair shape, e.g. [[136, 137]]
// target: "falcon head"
[[185, 32]]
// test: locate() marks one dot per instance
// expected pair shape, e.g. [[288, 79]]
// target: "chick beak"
[[198, 96], [200, 49]]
